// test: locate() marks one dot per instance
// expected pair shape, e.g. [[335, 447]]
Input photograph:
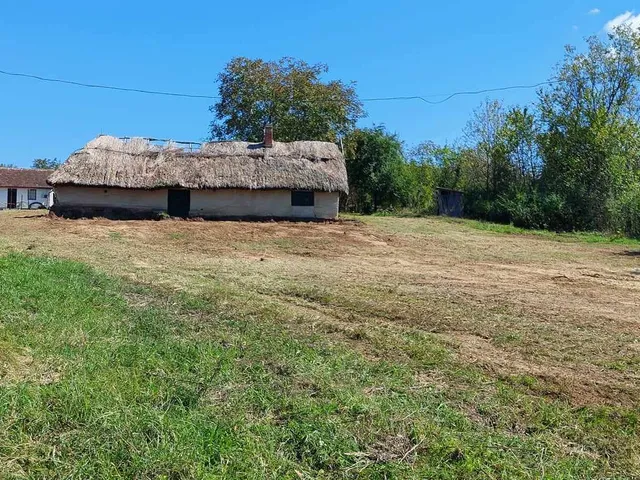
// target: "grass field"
[[376, 347]]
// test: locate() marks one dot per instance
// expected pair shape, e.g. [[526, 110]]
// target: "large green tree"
[[591, 142], [377, 170], [288, 93], [520, 134], [484, 134]]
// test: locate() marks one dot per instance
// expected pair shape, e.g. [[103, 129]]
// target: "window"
[[33, 194], [301, 199]]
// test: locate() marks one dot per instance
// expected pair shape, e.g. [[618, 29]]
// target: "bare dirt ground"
[[564, 313]]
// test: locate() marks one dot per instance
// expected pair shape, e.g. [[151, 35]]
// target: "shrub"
[[624, 212], [536, 210]]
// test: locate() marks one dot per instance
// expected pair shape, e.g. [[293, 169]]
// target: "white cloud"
[[627, 19], [594, 11]]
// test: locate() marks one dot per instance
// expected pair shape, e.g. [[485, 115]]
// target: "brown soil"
[[566, 313]]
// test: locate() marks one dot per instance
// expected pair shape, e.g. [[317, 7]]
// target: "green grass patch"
[[151, 384], [415, 226], [117, 236], [585, 237]]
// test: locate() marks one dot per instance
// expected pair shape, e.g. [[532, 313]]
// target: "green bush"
[[624, 212], [524, 210], [536, 210]]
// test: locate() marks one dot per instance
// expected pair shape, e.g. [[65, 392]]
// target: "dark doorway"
[[12, 198], [179, 203]]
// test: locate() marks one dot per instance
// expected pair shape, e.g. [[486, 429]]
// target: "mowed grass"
[[104, 378], [414, 225]]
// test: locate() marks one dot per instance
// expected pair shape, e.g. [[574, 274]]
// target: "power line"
[[470, 92], [422, 98], [106, 87]]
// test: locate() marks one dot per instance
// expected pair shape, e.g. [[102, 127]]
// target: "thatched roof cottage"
[[135, 178]]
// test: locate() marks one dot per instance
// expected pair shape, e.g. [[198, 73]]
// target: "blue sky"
[[389, 48]]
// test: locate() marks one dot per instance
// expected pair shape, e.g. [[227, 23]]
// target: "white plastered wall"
[[206, 203], [260, 203], [71, 196]]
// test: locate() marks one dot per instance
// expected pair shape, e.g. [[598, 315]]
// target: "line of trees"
[[569, 161]]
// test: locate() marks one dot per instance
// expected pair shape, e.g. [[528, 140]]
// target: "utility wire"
[[470, 92], [106, 87], [210, 97]]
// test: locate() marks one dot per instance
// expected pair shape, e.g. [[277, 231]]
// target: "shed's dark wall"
[[450, 204]]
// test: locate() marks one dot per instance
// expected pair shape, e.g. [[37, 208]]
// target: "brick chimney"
[[268, 136]]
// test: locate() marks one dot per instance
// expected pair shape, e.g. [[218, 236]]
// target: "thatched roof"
[[136, 163], [24, 177]]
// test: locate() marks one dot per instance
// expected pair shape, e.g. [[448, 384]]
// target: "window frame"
[[303, 198], [35, 194]]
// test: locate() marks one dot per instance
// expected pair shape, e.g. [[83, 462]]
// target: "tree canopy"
[[590, 139], [376, 169], [568, 161], [289, 94], [46, 163]]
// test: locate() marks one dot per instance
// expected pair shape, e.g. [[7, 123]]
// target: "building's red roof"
[[24, 177]]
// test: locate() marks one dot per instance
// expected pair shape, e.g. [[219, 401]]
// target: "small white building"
[[24, 188], [134, 178]]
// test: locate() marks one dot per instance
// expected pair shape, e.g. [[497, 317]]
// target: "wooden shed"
[[450, 202]]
